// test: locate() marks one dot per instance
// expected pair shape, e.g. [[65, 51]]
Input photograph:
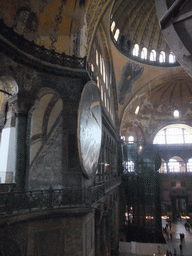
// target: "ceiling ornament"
[[58, 20], [26, 21]]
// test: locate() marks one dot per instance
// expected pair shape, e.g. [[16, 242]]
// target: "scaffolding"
[[142, 193]]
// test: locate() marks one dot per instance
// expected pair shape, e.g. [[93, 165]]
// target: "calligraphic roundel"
[[89, 130]]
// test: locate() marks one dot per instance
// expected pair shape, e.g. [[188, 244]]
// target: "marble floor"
[[176, 229]]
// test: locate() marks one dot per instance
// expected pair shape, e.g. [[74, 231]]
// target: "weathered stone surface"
[[46, 170]]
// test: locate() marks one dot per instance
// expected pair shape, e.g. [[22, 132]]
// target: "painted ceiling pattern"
[[55, 24], [155, 98], [60, 25], [156, 103], [47, 23]]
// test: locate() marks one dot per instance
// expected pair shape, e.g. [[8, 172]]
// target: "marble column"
[[103, 236], [167, 165], [21, 105], [97, 234], [108, 229]]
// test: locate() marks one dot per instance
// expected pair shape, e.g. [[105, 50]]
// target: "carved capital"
[[13, 102], [21, 103]]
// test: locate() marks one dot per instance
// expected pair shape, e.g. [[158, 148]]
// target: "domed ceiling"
[[153, 105], [56, 24], [151, 97], [138, 24], [46, 22], [65, 26], [175, 18]]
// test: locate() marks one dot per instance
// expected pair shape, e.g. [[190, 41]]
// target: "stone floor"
[[176, 229]]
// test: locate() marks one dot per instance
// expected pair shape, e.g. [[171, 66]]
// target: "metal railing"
[[40, 52], [19, 202]]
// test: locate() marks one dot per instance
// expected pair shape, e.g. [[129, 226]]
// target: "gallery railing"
[[40, 52], [22, 202], [19, 202]]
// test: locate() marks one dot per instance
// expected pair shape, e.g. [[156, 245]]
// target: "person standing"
[[181, 249]]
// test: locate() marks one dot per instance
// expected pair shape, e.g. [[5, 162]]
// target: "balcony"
[[14, 203]]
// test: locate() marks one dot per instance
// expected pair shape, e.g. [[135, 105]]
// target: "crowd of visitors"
[[169, 235]]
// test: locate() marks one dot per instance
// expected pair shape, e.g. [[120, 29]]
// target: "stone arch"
[[189, 165], [176, 164], [46, 129], [135, 130]]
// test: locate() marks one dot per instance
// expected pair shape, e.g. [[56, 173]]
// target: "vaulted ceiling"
[[48, 23], [156, 91], [64, 26], [138, 23]]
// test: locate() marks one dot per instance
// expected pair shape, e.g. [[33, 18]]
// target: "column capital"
[[21, 103]]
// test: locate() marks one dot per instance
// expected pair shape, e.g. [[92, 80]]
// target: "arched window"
[[174, 134], [172, 58], [101, 92], [116, 36], [137, 110], [103, 71], [129, 166], [153, 55], [105, 100], [97, 58], [162, 57], [189, 165], [130, 139], [112, 26], [97, 81], [173, 165], [176, 164], [92, 68], [160, 137], [176, 114], [144, 53], [136, 50], [106, 78], [101, 65], [108, 105]]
